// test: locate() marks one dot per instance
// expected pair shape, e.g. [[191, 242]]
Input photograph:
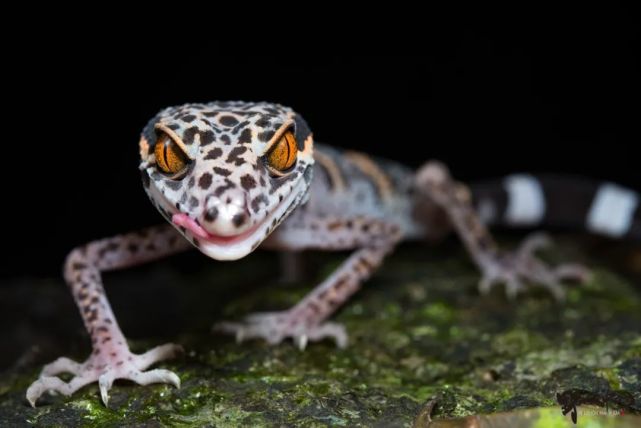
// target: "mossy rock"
[[418, 330]]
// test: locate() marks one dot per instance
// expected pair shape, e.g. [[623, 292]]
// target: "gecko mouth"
[[183, 220], [237, 246]]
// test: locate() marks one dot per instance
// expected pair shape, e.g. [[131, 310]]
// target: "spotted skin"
[[228, 200], [111, 358]]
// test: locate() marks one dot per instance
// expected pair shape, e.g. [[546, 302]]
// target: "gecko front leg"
[[304, 322], [515, 269], [111, 358]]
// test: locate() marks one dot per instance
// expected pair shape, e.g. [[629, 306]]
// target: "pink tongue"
[[187, 222]]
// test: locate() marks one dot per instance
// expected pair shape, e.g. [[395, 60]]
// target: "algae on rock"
[[418, 330]]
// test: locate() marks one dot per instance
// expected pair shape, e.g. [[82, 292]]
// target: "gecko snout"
[[226, 215]]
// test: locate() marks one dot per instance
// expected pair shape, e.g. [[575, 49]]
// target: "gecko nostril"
[[211, 214], [227, 214], [239, 219]]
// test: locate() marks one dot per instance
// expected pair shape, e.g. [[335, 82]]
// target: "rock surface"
[[418, 330]]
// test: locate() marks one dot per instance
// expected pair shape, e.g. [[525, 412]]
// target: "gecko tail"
[[560, 201]]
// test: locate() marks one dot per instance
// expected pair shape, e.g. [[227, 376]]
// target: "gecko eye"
[[282, 156], [170, 158]]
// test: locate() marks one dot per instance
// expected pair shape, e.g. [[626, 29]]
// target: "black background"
[[487, 102]]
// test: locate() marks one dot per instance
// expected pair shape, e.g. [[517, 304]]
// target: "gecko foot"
[[521, 267], [119, 363], [274, 327]]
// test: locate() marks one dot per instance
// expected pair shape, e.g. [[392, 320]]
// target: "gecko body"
[[230, 177]]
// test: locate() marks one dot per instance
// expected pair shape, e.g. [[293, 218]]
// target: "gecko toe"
[[573, 272], [274, 327], [105, 381], [156, 376], [54, 384], [301, 341], [105, 368], [62, 365], [522, 269], [159, 353], [533, 243]]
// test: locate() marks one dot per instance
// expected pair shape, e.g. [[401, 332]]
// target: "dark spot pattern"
[[78, 265], [108, 248], [241, 125], [302, 132], [234, 155], [247, 182], [228, 121], [206, 138], [263, 122], [222, 189], [205, 181], [145, 178], [214, 154], [174, 184], [189, 134], [265, 136], [257, 201], [245, 137], [277, 182], [222, 171]]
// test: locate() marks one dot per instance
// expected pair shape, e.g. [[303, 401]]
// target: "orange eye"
[[170, 159], [282, 156]]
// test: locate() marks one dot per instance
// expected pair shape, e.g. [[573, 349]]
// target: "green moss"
[[418, 330]]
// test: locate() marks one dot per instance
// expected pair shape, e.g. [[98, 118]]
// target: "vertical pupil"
[[164, 154], [288, 151], [283, 154], [169, 158]]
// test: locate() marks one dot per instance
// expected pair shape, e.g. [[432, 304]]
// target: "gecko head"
[[225, 174]]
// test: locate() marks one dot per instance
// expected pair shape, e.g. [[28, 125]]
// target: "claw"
[[516, 269], [533, 243], [157, 376], [52, 383], [485, 285], [240, 335], [557, 291], [104, 383], [572, 272], [105, 370], [159, 353], [512, 288], [61, 365], [301, 342], [273, 327]]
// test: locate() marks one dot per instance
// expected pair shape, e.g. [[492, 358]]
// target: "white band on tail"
[[526, 203], [612, 210]]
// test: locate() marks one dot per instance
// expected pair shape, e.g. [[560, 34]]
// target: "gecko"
[[231, 177]]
